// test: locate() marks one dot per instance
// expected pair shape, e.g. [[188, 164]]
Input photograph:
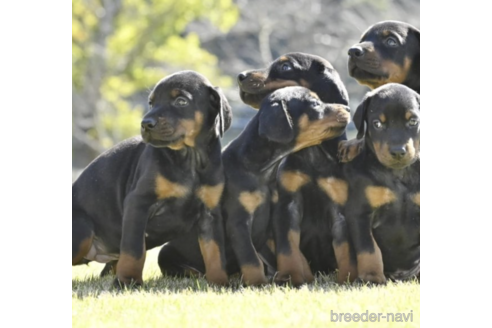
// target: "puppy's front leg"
[[212, 246], [239, 224], [370, 266], [132, 247], [291, 263], [344, 251]]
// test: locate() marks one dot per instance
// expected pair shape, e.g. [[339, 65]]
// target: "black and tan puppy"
[[143, 193], [383, 207], [289, 119], [388, 52]]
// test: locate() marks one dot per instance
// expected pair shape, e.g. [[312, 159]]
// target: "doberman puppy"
[[289, 119], [383, 207], [146, 191], [388, 51], [310, 186]]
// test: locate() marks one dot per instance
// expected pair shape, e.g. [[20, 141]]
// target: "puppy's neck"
[[199, 156], [255, 153]]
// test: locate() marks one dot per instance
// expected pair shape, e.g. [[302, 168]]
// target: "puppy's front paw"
[[126, 284], [349, 149], [371, 277]]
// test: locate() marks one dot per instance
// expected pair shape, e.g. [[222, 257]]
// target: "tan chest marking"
[[167, 189], [293, 180], [251, 200], [210, 195], [416, 198], [379, 196], [336, 189]]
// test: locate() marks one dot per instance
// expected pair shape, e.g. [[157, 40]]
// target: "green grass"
[[169, 302]]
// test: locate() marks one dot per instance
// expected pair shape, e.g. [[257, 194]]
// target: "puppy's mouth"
[[366, 70], [253, 91], [336, 127]]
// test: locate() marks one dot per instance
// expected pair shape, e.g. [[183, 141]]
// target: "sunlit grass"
[[170, 302]]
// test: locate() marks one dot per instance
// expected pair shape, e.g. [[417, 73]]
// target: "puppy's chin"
[[365, 76], [174, 143], [252, 99], [397, 165]]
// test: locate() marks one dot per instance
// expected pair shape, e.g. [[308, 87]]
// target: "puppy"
[[146, 191], [383, 208], [289, 120], [388, 52]]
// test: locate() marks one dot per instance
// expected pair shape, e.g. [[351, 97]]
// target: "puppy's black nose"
[[356, 52], [398, 152], [148, 123], [241, 77]]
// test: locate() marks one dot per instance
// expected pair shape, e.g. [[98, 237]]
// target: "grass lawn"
[[165, 302]]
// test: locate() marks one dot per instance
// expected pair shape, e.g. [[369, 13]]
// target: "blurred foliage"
[[121, 48]]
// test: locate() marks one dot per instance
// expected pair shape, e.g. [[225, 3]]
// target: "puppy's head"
[[389, 118], [388, 52], [184, 108], [296, 116], [293, 69]]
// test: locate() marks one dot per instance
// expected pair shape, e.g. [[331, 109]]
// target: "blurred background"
[[121, 48]]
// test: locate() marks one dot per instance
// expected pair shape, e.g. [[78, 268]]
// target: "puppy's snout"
[[242, 76], [398, 152], [356, 51], [148, 123]]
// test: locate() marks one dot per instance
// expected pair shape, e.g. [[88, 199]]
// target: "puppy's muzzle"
[[148, 124], [398, 152], [356, 52]]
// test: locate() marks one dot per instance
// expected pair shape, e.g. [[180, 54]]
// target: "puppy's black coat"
[[383, 207], [388, 52], [143, 193]]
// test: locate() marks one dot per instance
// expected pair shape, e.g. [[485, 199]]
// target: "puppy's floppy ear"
[[223, 109], [275, 122], [360, 117]]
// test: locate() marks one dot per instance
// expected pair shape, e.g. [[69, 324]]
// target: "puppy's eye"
[[150, 103], [377, 124], [413, 122], [286, 67], [181, 102], [391, 42]]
